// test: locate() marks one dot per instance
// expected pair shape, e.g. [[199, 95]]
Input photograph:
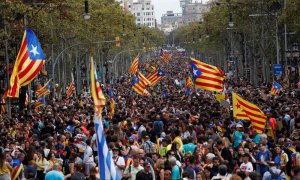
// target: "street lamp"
[[86, 10], [230, 23]]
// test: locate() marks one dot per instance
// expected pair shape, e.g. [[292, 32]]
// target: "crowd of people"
[[169, 135]]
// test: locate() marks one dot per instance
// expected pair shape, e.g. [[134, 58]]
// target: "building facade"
[[170, 21], [143, 10], [193, 11]]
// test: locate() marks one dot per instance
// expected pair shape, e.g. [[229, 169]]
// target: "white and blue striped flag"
[[107, 167]]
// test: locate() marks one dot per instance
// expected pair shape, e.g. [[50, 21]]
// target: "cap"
[[210, 156], [146, 164], [239, 125]]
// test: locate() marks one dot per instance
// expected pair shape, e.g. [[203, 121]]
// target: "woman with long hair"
[[41, 163], [5, 168]]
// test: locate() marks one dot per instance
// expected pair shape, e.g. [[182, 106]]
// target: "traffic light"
[[118, 41]]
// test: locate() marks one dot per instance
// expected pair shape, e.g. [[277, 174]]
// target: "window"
[[148, 8], [138, 19], [138, 14], [142, 8], [147, 3]]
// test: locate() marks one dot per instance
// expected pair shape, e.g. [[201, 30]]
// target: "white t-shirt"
[[246, 167], [88, 157], [94, 138], [121, 162]]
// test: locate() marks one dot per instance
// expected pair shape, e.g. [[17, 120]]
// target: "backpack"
[[275, 176]]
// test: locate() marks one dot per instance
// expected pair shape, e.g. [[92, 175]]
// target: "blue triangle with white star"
[[195, 71]]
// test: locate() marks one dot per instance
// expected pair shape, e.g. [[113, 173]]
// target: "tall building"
[[193, 11], [170, 21], [143, 10]]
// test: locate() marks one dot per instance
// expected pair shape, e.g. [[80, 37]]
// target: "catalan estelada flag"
[[135, 65], [16, 171], [43, 91], [28, 64], [243, 109], [40, 103], [139, 84], [163, 55], [96, 91], [276, 88], [188, 84], [71, 89], [156, 76], [207, 77]]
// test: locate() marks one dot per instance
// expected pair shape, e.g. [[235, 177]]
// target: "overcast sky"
[[162, 6]]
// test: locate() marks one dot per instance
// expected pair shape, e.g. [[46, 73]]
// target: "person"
[[189, 169], [238, 136], [176, 175], [262, 157], [246, 166], [119, 161], [223, 153], [223, 173], [56, 173], [88, 158], [273, 173], [78, 175], [189, 147], [131, 170], [145, 174], [41, 164], [5, 168]]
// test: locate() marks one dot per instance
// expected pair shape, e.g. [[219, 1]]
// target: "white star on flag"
[[195, 72], [34, 50]]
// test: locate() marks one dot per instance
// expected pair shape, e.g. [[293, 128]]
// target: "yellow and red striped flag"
[[16, 171], [188, 83], [43, 91], [96, 91], [207, 77], [163, 55], [140, 83], [243, 109], [28, 64], [71, 89], [276, 88], [155, 77], [135, 65]]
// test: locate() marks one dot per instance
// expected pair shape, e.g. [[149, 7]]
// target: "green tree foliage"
[[56, 21]]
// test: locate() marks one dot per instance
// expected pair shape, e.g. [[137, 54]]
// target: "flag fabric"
[[3, 101], [276, 88], [71, 89], [106, 165], [135, 65], [40, 103], [96, 91], [155, 77], [16, 171], [28, 64], [43, 90], [112, 103], [188, 84], [140, 83], [243, 109], [207, 77], [163, 55]]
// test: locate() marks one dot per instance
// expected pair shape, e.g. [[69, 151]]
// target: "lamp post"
[[87, 15]]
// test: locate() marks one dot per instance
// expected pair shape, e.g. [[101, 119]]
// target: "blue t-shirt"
[[238, 138], [262, 156], [175, 173], [54, 175], [190, 147]]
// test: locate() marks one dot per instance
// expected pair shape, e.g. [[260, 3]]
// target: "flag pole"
[[7, 72]]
